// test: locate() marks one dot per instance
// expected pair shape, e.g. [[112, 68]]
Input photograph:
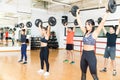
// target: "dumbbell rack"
[[35, 43], [52, 42]]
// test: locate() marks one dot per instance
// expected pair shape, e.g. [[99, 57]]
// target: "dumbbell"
[[51, 21], [75, 22], [111, 7]]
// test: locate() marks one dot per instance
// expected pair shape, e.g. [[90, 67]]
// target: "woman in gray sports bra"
[[88, 57]]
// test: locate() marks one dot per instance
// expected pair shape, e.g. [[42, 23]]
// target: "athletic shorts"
[[69, 46], [6, 38], [110, 52]]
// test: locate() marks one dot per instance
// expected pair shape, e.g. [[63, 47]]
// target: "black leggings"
[[89, 59], [44, 55]]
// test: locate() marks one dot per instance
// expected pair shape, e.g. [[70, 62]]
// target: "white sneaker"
[[46, 74], [41, 71]]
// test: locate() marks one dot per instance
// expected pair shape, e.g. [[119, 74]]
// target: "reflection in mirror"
[[10, 35]]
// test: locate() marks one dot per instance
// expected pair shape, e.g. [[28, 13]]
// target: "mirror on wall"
[[10, 32]]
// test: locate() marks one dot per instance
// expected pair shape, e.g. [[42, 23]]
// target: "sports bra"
[[44, 40], [89, 40]]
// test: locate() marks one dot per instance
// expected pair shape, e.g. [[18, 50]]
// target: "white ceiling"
[[21, 9], [61, 5]]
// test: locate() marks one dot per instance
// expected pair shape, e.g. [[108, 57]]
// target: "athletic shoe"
[[72, 62], [41, 71], [46, 74], [66, 61], [103, 70], [20, 60], [25, 62], [114, 72]]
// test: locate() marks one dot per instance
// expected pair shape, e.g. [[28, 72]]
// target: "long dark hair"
[[90, 21], [114, 28], [45, 28]]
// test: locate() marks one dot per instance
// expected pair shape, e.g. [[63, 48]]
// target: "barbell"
[[51, 21], [100, 19], [75, 22], [21, 25], [112, 6]]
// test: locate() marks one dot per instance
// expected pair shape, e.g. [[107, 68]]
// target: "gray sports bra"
[[89, 40]]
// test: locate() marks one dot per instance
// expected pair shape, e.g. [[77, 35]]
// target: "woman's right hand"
[[40, 25], [65, 24]]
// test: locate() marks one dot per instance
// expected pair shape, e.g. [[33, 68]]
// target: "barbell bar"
[[51, 21], [112, 6], [100, 19], [75, 22]]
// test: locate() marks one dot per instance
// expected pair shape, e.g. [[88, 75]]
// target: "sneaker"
[[103, 70], [20, 60], [41, 71], [114, 72], [46, 74], [72, 62], [25, 62], [66, 61]]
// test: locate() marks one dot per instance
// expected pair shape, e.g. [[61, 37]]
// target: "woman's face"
[[111, 30], [88, 26], [22, 32], [43, 31]]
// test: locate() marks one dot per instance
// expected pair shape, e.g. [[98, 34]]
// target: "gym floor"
[[10, 69]]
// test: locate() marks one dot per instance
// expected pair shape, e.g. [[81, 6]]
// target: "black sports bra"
[[44, 40]]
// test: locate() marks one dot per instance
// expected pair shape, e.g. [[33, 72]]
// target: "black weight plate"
[[14, 29], [37, 21], [21, 25], [112, 6], [74, 10], [99, 20], [29, 24], [75, 22], [52, 21]]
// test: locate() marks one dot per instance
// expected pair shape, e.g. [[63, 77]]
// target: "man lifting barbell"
[[69, 44], [110, 50]]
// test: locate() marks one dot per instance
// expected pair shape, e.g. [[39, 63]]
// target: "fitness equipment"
[[74, 10], [21, 25], [14, 29], [29, 24], [111, 7], [51, 21], [16, 25], [100, 19], [75, 22]]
